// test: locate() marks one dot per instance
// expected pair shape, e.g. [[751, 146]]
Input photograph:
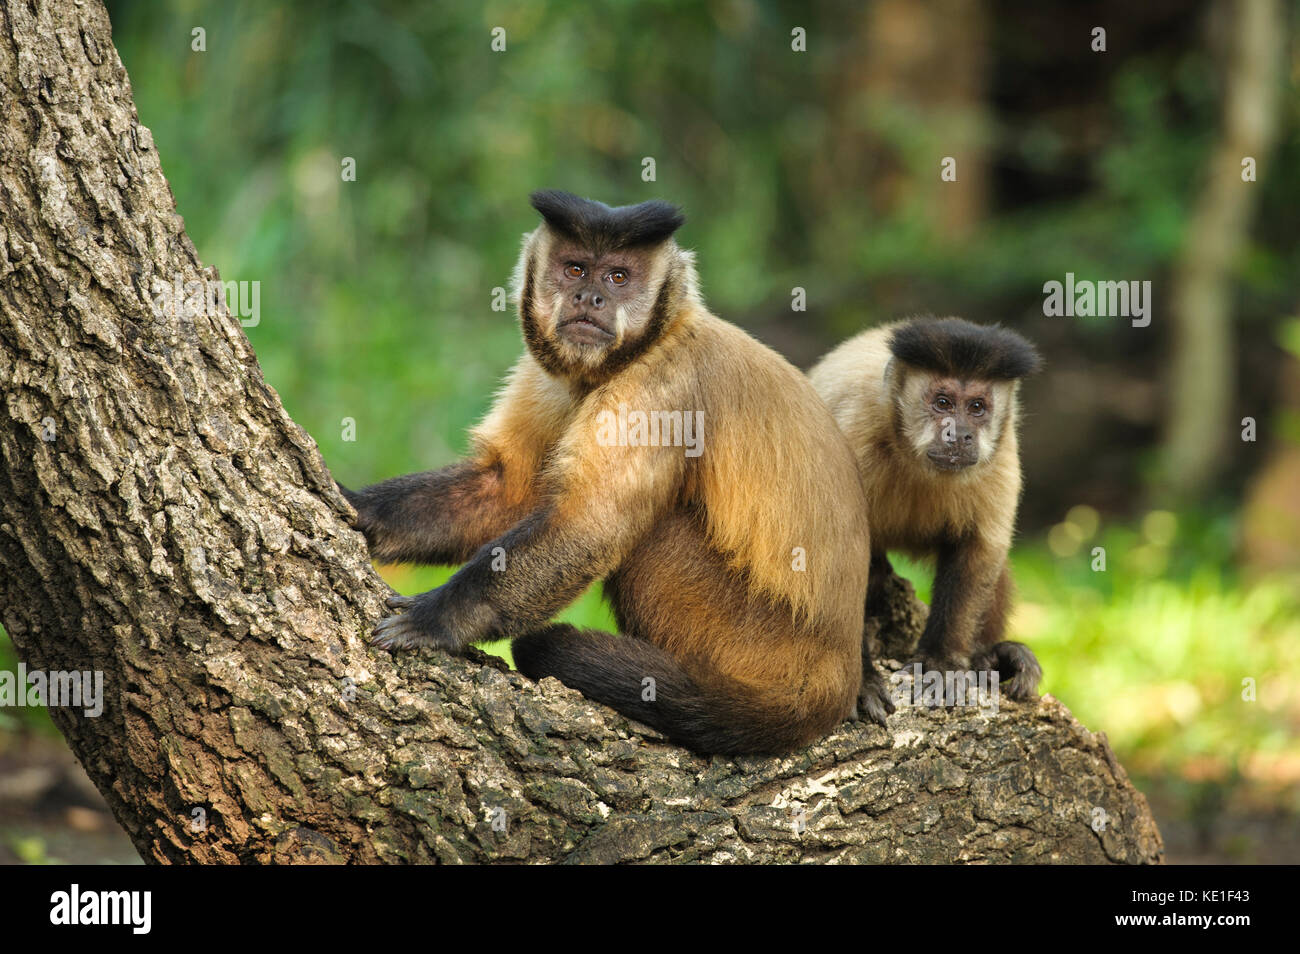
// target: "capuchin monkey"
[[931, 408], [642, 441]]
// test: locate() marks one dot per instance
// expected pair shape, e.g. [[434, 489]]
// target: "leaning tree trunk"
[[162, 520]]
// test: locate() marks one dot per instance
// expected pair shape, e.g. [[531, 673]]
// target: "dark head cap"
[[962, 349], [596, 226]]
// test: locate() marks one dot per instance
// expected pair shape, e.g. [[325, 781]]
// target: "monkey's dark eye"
[[574, 270], [977, 408], [618, 276], [941, 403]]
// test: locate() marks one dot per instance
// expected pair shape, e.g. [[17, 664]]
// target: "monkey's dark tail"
[[616, 670]]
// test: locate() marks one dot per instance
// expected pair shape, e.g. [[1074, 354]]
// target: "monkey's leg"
[[1017, 666], [966, 574], [874, 702], [439, 516], [644, 682], [881, 571]]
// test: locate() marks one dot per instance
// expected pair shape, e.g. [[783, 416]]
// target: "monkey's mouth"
[[583, 329], [950, 461]]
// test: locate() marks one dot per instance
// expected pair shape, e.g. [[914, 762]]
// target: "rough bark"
[[164, 521]]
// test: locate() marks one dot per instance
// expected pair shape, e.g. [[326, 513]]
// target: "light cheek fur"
[[632, 316], [920, 430], [1005, 402], [917, 424]]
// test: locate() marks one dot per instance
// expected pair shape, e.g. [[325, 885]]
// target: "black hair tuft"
[[962, 349], [597, 226]]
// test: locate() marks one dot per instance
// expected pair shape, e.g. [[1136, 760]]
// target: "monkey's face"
[[588, 306], [953, 424], [599, 301]]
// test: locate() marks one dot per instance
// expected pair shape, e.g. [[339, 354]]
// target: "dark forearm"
[[439, 516], [527, 575], [965, 575], [511, 585]]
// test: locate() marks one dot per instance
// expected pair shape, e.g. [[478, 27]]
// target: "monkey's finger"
[[874, 704], [392, 632], [1018, 669], [399, 602]]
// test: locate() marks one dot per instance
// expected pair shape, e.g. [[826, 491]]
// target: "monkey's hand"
[[365, 517], [1017, 667], [874, 703], [435, 619]]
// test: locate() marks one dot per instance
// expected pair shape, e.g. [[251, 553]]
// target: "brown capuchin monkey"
[[642, 441], [931, 408]]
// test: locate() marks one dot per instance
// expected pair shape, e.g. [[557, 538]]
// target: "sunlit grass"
[[1187, 668]]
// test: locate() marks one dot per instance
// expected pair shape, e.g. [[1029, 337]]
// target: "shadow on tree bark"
[[164, 522]]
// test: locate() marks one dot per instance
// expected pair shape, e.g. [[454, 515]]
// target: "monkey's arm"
[[439, 516], [604, 500], [444, 516], [1017, 666], [966, 574]]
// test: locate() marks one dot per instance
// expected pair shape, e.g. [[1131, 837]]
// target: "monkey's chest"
[[912, 517]]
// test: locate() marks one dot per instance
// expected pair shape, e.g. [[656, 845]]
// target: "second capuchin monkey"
[[642, 441], [931, 408]]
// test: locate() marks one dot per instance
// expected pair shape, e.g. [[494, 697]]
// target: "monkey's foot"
[[418, 625], [874, 703], [1017, 666]]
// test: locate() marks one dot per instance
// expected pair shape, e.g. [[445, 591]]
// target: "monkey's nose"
[[597, 301]]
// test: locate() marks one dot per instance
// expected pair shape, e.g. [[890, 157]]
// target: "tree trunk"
[[164, 522], [1203, 375]]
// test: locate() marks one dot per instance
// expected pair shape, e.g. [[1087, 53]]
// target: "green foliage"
[[1161, 647], [20, 718], [31, 850], [376, 294]]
